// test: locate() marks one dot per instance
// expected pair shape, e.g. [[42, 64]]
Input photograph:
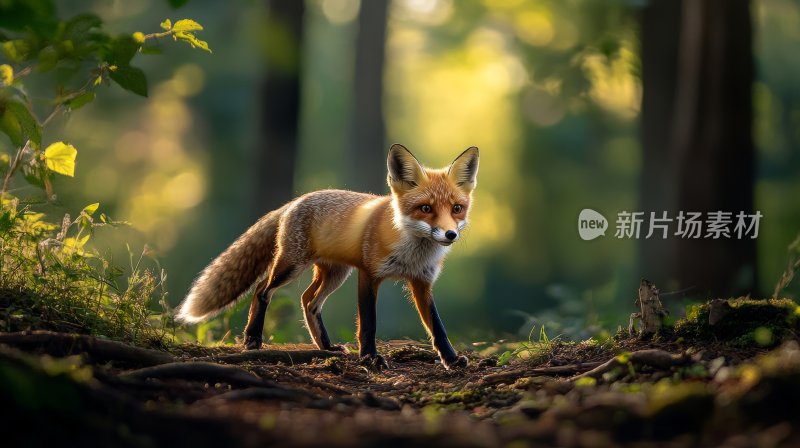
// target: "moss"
[[461, 396], [743, 322]]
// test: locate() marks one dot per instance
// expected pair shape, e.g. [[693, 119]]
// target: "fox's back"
[[336, 221]]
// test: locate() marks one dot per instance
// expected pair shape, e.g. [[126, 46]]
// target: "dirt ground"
[[648, 394]]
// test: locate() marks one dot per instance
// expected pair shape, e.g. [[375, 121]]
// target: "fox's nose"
[[450, 235]]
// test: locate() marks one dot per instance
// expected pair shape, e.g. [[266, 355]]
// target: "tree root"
[[272, 356], [510, 377], [201, 371], [651, 357], [65, 344], [262, 394]]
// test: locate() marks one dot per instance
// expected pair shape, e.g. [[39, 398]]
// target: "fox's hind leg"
[[327, 279], [283, 271]]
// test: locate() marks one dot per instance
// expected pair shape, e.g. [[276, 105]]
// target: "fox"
[[403, 236]]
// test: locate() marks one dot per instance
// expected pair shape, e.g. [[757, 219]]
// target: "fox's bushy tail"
[[233, 272]]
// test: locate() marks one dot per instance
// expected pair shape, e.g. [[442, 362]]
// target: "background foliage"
[[549, 90]]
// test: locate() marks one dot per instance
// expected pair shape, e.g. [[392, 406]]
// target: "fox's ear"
[[405, 172], [464, 170]]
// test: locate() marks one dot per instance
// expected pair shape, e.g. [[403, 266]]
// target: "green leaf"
[[60, 158], [186, 25], [91, 208], [131, 79], [151, 50], [166, 24], [78, 27], [6, 74], [16, 50], [123, 49], [504, 358], [80, 100], [48, 58], [35, 15], [177, 3], [193, 41], [19, 124]]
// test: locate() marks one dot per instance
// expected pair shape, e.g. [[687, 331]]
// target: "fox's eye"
[[458, 208], [426, 208]]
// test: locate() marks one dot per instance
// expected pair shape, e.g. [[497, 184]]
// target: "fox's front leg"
[[367, 321], [422, 292]]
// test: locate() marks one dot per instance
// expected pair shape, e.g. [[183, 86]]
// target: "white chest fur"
[[414, 257]]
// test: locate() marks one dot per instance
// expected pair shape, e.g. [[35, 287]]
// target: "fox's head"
[[432, 203]]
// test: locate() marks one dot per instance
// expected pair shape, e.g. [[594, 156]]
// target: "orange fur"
[[403, 235]]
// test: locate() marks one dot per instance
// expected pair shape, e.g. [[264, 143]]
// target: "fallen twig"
[[272, 356], [65, 344], [651, 357], [260, 393], [511, 376], [200, 371]]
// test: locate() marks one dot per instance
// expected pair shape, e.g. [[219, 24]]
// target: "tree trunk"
[[707, 162], [369, 135], [660, 34], [280, 106]]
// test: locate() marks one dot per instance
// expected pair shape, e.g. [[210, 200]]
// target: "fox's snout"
[[445, 237]]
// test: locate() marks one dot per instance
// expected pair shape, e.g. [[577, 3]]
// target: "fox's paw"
[[338, 348], [252, 343], [459, 362], [374, 363]]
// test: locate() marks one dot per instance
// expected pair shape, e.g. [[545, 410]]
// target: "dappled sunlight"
[[534, 27], [156, 203], [340, 12], [426, 12], [465, 100], [614, 85]]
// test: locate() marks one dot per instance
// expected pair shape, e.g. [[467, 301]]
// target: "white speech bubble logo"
[[591, 224]]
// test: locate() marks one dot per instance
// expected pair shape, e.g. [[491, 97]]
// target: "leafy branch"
[[39, 50], [183, 29]]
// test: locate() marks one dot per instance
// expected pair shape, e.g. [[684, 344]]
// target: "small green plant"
[[50, 277], [530, 349]]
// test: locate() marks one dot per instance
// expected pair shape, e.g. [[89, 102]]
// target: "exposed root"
[[653, 357], [273, 356], [65, 344], [201, 371], [510, 377], [262, 394]]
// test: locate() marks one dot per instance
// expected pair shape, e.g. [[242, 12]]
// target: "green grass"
[[50, 279]]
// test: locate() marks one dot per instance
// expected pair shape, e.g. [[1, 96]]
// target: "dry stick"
[[212, 373], [199, 371], [272, 356], [65, 344], [299, 377], [259, 394], [652, 357], [507, 377]]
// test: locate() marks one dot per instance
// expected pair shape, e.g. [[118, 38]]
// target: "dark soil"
[[210, 396], [681, 389]]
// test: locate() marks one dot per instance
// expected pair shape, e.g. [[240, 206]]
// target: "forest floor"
[[674, 391]]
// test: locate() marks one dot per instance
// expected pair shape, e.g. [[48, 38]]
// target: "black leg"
[[422, 293], [258, 309], [367, 321], [323, 333], [440, 341]]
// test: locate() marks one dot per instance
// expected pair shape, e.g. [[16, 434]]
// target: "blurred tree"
[[368, 133], [280, 105], [697, 129]]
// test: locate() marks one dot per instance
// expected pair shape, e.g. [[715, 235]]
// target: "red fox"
[[404, 235]]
